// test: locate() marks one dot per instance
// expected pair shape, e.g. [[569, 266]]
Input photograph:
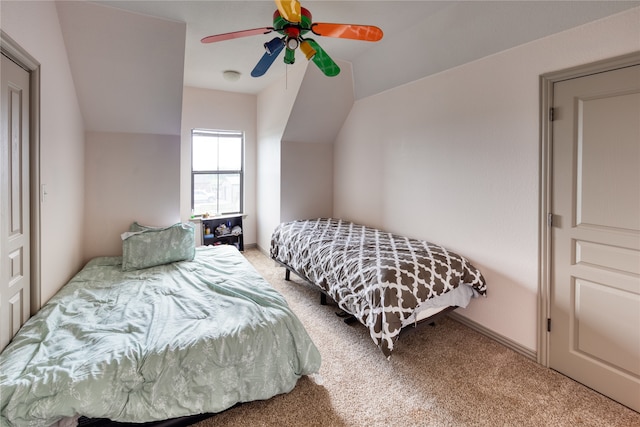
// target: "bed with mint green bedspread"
[[180, 339]]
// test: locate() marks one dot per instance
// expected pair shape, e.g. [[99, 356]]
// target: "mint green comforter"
[[179, 339]]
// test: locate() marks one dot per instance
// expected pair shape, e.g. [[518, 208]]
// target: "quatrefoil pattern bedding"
[[378, 277]]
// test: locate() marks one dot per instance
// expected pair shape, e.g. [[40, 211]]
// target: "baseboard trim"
[[507, 342], [264, 251]]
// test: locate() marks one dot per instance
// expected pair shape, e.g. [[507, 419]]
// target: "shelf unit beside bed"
[[228, 238]]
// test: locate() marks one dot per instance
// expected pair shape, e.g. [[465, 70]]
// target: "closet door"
[[14, 200], [595, 289]]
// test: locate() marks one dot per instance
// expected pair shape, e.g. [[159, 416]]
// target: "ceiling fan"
[[293, 22]]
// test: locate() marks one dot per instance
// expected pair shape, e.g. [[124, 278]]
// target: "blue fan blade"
[[267, 59]]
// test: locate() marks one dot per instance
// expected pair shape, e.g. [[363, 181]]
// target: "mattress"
[[378, 277], [174, 340]]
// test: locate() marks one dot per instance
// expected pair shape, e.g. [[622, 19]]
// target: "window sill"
[[199, 218]]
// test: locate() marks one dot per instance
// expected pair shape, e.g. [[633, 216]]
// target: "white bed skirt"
[[460, 297]]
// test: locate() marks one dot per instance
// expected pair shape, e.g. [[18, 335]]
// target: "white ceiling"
[[131, 59], [420, 37]]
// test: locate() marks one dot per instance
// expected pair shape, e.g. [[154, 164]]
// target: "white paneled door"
[[14, 203], [595, 235]]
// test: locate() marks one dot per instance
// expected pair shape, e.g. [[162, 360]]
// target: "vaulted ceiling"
[[122, 51]]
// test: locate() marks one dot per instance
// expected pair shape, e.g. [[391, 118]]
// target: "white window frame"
[[239, 172]]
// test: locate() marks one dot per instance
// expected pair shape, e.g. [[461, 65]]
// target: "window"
[[216, 171]]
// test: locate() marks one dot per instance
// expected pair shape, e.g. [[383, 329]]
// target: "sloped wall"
[[298, 121], [273, 112], [321, 107], [454, 159], [127, 67]]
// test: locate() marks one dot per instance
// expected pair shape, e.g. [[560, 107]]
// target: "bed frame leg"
[[347, 318], [287, 275]]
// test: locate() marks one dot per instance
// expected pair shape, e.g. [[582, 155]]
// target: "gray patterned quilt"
[[378, 277], [179, 339]]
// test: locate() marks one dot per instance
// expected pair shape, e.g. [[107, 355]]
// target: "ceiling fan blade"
[[236, 35], [323, 60], [289, 10], [268, 58], [368, 33]]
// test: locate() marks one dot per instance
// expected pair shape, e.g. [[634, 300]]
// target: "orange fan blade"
[[368, 33]]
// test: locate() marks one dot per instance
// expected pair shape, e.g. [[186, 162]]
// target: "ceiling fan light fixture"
[[306, 48], [231, 75], [273, 45], [292, 43]]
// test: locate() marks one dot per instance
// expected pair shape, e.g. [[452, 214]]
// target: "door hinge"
[[551, 114], [549, 219], [548, 325]]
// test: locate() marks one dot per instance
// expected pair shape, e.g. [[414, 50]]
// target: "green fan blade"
[[324, 61]]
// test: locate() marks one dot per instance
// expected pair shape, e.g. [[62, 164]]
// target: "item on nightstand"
[[207, 230], [236, 230], [222, 229]]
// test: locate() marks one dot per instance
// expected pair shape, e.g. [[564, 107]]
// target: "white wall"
[[319, 111], [35, 27], [273, 111], [454, 159], [129, 177], [307, 180], [212, 109]]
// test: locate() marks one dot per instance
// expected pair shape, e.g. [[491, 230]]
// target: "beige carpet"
[[447, 375]]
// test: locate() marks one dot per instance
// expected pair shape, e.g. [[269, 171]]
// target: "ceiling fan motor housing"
[[283, 26]]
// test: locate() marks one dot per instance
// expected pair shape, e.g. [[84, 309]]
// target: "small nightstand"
[[223, 230]]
